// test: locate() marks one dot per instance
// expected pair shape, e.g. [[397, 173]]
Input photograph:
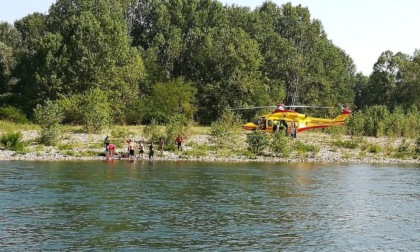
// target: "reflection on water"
[[203, 206]]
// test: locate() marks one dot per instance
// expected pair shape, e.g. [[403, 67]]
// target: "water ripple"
[[61, 206]]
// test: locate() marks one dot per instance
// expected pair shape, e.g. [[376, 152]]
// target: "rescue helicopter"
[[291, 121]]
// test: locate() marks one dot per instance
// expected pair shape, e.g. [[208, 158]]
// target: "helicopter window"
[[270, 123], [257, 121]]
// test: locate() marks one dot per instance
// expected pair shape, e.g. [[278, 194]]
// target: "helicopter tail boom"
[[343, 116]]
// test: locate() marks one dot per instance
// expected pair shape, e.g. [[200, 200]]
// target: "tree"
[[386, 79], [174, 97], [9, 42], [86, 46]]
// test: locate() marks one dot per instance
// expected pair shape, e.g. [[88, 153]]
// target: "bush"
[[356, 124], [303, 148], [280, 144], [226, 131], [257, 142], [12, 141], [49, 117], [352, 144], [373, 148], [91, 110], [96, 111], [152, 132], [417, 148], [133, 113], [177, 124], [12, 114]]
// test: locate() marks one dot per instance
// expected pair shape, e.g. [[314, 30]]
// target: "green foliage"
[[10, 126], [404, 150], [92, 110], [280, 144], [375, 120], [96, 110], [201, 57], [177, 124], [417, 147], [352, 144], [134, 112], [12, 141], [152, 132], [225, 132], [12, 114], [257, 142], [72, 110], [301, 147], [336, 132], [49, 117], [172, 97], [378, 121], [77, 47], [372, 148]]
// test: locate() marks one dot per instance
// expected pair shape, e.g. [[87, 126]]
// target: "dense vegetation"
[[139, 62]]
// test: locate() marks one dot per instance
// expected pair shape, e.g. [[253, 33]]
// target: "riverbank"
[[328, 149]]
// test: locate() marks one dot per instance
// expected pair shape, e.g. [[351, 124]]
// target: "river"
[[195, 206]]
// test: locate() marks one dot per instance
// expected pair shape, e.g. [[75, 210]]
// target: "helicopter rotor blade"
[[259, 107], [306, 106], [286, 106]]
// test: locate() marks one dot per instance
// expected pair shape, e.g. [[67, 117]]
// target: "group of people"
[[110, 148], [282, 125]]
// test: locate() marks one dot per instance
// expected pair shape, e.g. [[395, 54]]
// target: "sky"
[[362, 28]]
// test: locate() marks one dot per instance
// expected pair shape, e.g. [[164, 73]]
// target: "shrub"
[[226, 131], [152, 132], [376, 117], [404, 150], [96, 110], [373, 148], [12, 114], [280, 144], [356, 124], [417, 148], [12, 141], [352, 144], [303, 148], [177, 124], [91, 110], [49, 116], [257, 142]]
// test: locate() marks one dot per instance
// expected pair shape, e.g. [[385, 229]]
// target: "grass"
[[345, 144], [304, 148], [6, 126]]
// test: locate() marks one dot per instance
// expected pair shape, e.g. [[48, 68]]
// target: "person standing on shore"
[[294, 129], [141, 152], [161, 144], [151, 151], [111, 150], [131, 149], [106, 142], [179, 141]]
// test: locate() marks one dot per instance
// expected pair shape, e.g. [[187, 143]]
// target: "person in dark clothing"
[[151, 151]]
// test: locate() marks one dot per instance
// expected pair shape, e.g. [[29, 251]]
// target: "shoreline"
[[6, 156], [327, 153]]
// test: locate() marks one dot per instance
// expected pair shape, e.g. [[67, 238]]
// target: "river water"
[[194, 206]]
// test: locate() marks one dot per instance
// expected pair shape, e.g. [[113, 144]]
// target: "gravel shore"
[[77, 146]]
